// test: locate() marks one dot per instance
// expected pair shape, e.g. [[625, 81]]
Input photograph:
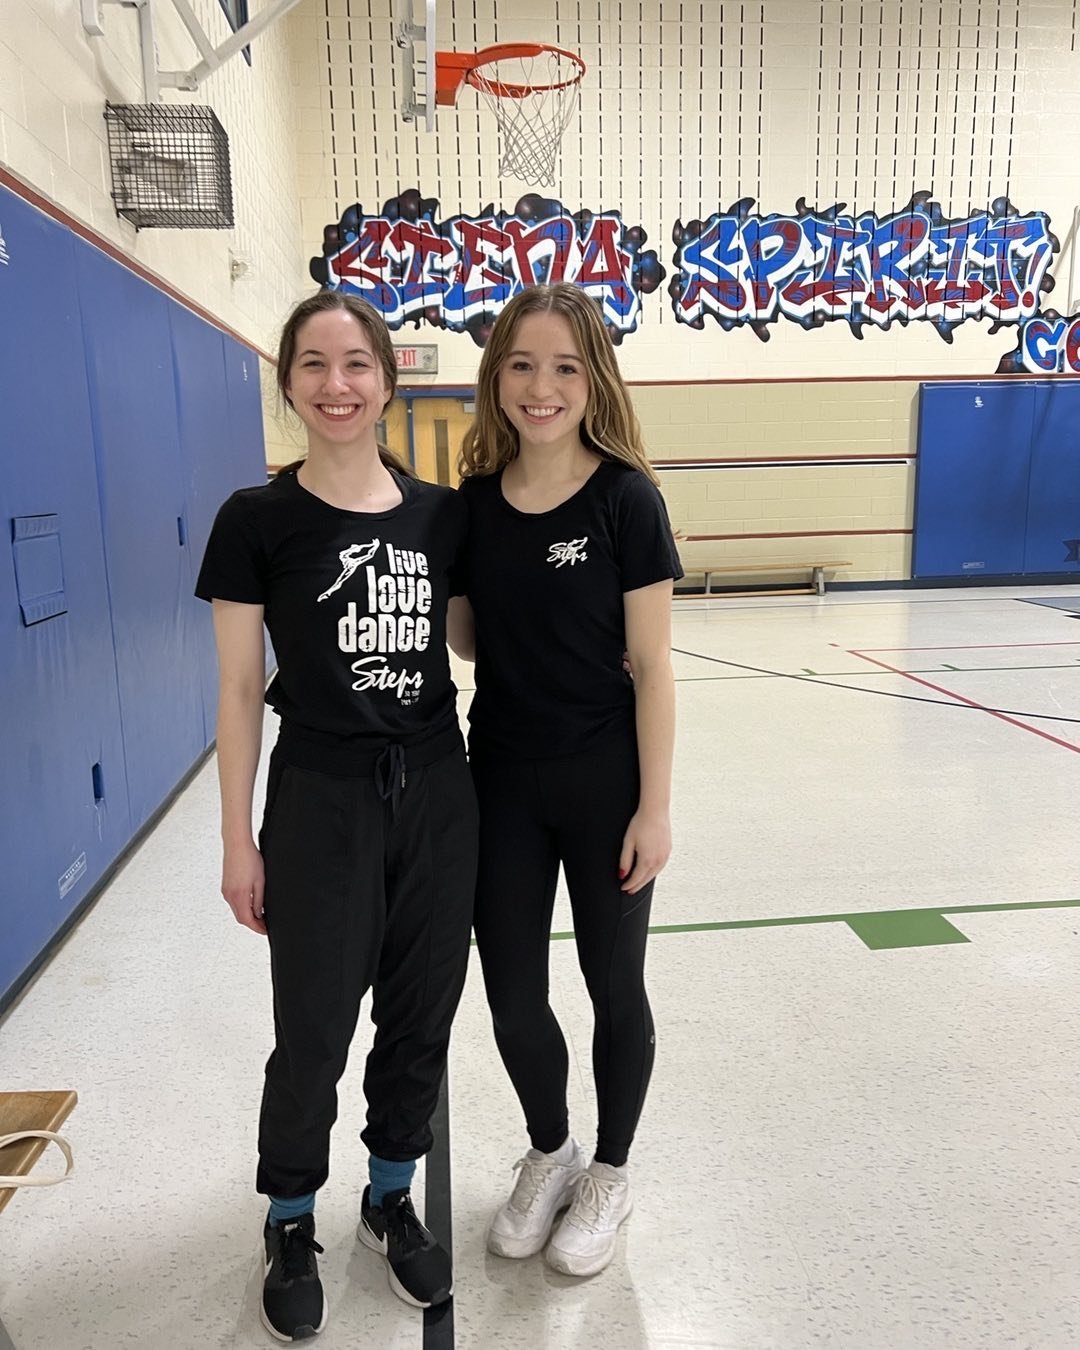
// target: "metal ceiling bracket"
[[154, 80]]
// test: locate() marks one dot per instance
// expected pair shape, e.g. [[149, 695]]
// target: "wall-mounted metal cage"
[[170, 166]]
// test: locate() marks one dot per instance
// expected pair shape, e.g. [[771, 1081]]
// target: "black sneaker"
[[293, 1307], [418, 1267]]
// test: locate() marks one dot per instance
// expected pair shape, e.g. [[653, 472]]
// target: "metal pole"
[[151, 90], [240, 39]]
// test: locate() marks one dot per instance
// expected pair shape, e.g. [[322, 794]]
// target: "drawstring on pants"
[[390, 775]]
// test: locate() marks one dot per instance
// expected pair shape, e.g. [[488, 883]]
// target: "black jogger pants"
[[362, 892]]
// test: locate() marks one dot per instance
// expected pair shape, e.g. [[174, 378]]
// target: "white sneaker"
[[584, 1241], [543, 1188]]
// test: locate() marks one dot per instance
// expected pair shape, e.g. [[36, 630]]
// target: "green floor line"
[[904, 928], [879, 929]]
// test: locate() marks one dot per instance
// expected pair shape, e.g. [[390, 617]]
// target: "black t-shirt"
[[355, 604], [547, 590]]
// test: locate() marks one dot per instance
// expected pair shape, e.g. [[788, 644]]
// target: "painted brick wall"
[[54, 81]]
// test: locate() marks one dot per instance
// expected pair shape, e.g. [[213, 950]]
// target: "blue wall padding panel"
[[58, 676], [133, 399], [119, 442], [202, 404], [1053, 519], [221, 440], [246, 422], [39, 567], [972, 479]]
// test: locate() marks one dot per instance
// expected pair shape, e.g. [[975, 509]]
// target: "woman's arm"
[[238, 629], [647, 844], [461, 628]]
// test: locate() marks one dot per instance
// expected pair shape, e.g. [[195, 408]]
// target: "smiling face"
[[543, 386], [336, 382]]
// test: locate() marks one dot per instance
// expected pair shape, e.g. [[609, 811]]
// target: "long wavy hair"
[[372, 322], [609, 427]]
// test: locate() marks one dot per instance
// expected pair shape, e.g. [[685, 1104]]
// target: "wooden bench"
[[815, 586], [28, 1111]]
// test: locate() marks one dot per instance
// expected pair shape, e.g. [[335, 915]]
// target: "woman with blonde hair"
[[570, 562]]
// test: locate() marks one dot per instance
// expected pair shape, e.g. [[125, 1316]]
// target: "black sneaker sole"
[[377, 1244]]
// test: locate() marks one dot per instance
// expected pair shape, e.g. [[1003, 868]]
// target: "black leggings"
[[535, 814]]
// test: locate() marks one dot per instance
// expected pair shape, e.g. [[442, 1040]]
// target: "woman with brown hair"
[[570, 561], [364, 871]]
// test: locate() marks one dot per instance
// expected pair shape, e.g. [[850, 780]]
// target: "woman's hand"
[[646, 848], [243, 883]]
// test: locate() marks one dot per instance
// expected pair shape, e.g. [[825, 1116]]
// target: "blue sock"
[[281, 1211], [388, 1176]]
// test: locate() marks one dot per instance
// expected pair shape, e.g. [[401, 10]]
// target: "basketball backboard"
[[417, 44]]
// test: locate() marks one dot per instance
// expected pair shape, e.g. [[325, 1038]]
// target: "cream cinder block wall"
[[837, 509], [54, 82], [685, 110], [688, 108]]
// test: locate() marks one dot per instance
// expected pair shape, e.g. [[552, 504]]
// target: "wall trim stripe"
[[787, 459], [786, 534], [862, 379], [788, 462], [49, 208]]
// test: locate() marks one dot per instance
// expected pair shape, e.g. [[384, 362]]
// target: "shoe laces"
[[409, 1234], [595, 1197], [298, 1248], [534, 1177]]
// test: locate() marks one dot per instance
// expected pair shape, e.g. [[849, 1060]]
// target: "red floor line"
[[973, 647], [960, 698]]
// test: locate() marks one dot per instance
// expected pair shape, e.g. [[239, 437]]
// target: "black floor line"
[[438, 1216], [880, 693]]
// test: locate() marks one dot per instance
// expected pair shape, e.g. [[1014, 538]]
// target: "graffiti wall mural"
[[457, 274], [819, 266], [737, 268], [1046, 345]]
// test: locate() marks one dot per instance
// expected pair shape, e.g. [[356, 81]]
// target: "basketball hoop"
[[531, 88]]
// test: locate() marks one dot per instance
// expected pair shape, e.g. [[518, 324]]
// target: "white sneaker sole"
[[516, 1249], [567, 1263]]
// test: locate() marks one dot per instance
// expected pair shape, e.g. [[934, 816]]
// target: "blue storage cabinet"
[[63, 790], [997, 487]]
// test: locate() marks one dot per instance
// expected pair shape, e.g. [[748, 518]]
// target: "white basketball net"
[[530, 127]]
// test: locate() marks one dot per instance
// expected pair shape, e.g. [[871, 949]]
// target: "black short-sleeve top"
[[354, 602], [547, 590]]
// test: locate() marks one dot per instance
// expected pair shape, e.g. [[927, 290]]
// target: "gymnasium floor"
[[863, 1125]]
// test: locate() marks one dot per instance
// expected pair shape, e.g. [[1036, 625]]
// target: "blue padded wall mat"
[[123, 433], [202, 403], [246, 420], [971, 484], [57, 676], [1053, 514], [133, 403]]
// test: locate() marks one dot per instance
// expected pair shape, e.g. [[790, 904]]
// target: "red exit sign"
[[422, 359]]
